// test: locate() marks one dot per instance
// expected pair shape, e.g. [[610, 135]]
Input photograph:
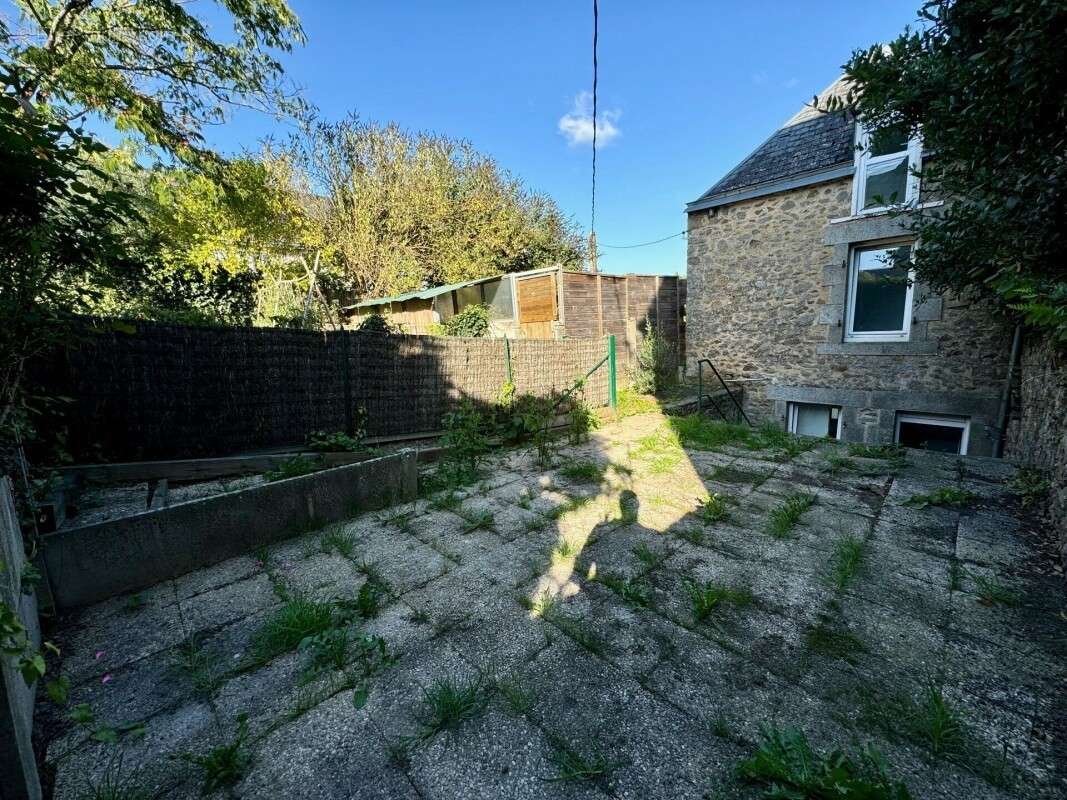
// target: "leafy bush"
[[788, 767], [291, 468], [377, 323], [946, 496], [471, 323], [657, 363], [465, 444]]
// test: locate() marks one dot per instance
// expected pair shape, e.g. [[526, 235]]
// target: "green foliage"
[[377, 323], [470, 323], [573, 765], [656, 363], [947, 496], [296, 620], [705, 598], [464, 443], [578, 471], [1030, 486], [153, 68], [292, 468], [734, 475], [789, 768], [714, 508], [784, 517], [338, 441], [581, 416], [831, 640], [883, 451], [15, 643], [448, 704], [114, 784], [846, 561], [226, 764], [325, 650], [519, 698], [633, 591], [975, 77], [631, 403], [992, 592]]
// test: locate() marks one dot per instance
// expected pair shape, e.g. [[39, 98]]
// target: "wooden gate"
[[537, 306]]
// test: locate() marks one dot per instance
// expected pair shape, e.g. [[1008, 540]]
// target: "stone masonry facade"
[[767, 294]]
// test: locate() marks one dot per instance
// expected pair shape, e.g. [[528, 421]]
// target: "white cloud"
[[577, 126], [792, 83]]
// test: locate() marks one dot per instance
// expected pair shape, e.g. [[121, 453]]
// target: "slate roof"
[[808, 145]]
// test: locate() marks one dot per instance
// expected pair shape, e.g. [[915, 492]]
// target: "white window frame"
[[865, 160], [903, 335], [941, 421], [794, 408]]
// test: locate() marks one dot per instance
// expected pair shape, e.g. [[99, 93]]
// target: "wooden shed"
[[548, 303]]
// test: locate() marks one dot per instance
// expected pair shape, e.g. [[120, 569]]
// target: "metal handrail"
[[700, 389]]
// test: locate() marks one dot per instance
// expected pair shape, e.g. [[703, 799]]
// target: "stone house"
[[796, 293]]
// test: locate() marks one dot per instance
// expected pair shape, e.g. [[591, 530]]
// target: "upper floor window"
[[886, 161], [879, 300]]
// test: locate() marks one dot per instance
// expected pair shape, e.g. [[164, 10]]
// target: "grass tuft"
[[825, 638], [789, 768], [633, 592], [572, 765], [949, 496], [226, 764], [846, 561], [582, 471], [297, 619], [520, 699], [784, 517], [705, 598], [881, 451], [448, 704], [991, 592], [650, 557], [714, 508]]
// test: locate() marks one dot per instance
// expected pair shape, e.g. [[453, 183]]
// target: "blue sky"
[[691, 87]]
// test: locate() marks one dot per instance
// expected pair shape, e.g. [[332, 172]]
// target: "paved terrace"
[[590, 632]]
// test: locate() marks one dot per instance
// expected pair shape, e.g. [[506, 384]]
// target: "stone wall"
[[767, 280], [1040, 437]]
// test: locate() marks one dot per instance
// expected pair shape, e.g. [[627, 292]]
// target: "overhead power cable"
[[643, 244]]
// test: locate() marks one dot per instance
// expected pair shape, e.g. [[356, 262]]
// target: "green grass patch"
[[520, 699], [834, 464], [948, 496], [701, 433], [297, 619], [1030, 486], [573, 766], [633, 592], [846, 561], [880, 451], [630, 403], [578, 471], [563, 551], [789, 768], [225, 765], [991, 592], [448, 704], [476, 520], [714, 508], [705, 598], [784, 517], [650, 557], [334, 539]]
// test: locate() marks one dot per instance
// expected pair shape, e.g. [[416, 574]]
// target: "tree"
[[59, 249], [978, 80], [151, 66], [409, 210]]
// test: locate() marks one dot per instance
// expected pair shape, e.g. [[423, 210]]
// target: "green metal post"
[[507, 357], [613, 397]]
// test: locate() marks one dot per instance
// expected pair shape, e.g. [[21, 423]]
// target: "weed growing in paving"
[[633, 592], [582, 471], [336, 540], [289, 625], [115, 784], [476, 520], [660, 452], [714, 508], [399, 518], [448, 704], [992, 592], [650, 557], [955, 576], [705, 598], [881, 451], [835, 463], [1030, 486], [577, 630], [947, 496], [519, 698], [225, 765], [571, 765], [783, 518], [691, 535], [448, 500], [196, 666], [631, 403], [324, 651], [789, 768], [929, 719], [829, 640], [700, 433], [541, 606], [563, 551], [846, 561]]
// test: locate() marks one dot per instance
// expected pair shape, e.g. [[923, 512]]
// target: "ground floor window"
[[813, 419], [933, 432]]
